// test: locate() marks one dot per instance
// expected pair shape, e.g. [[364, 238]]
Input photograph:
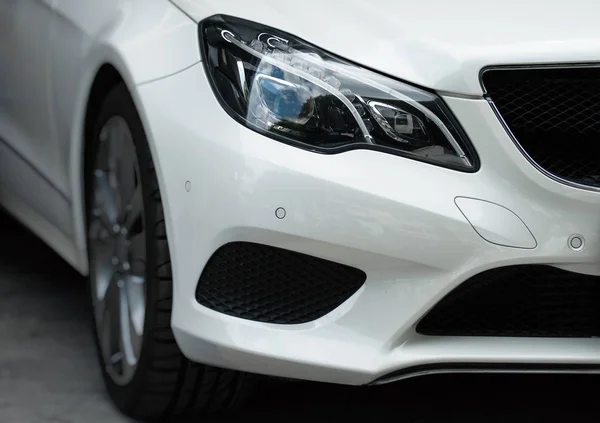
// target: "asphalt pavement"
[[48, 371]]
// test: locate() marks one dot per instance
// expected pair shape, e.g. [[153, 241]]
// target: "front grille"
[[268, 284], [519, 301], [554, 114]]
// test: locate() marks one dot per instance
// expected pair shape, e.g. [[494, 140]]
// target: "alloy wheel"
[[117, 239]]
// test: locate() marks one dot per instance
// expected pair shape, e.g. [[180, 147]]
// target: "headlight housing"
[[289, 90]]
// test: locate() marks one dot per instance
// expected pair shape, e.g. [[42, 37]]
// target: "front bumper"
[[394, 218]]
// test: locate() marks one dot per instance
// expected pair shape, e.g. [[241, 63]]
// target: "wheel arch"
[[95, 86], [107, 75]]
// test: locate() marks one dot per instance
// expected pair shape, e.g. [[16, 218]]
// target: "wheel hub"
[[120, 246]]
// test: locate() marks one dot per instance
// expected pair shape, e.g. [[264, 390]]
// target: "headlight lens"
[[294, 92]]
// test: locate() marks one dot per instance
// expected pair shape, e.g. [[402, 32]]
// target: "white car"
[[347, 191]]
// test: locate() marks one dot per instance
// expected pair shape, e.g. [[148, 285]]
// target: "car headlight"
[[296, 93]]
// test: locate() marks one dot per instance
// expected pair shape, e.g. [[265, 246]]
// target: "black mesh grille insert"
[[519, 301], [554, 113], [273, 285]]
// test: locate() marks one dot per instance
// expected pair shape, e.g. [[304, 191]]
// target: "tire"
[[164, 383]]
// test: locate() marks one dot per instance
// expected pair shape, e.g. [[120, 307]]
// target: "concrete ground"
[[48, 371]]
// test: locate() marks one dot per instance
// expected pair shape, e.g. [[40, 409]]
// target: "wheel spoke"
[[137, 299], [103, 277], [105, 207], [136, 282], [102, 287], [107, 323], [134, 208], [125, 334]]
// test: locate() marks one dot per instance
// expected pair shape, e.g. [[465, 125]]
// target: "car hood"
[[434, 43]]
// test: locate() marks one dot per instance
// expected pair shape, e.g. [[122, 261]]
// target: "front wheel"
[[130, 280]]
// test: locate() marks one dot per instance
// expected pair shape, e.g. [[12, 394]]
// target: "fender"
[[142, 47]]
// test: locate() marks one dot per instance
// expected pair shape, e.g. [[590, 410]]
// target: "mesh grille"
[[273, 285], [519, 301], [555, 116]]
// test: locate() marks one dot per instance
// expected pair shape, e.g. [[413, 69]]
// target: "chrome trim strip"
[[460, 95], [465, 369]]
